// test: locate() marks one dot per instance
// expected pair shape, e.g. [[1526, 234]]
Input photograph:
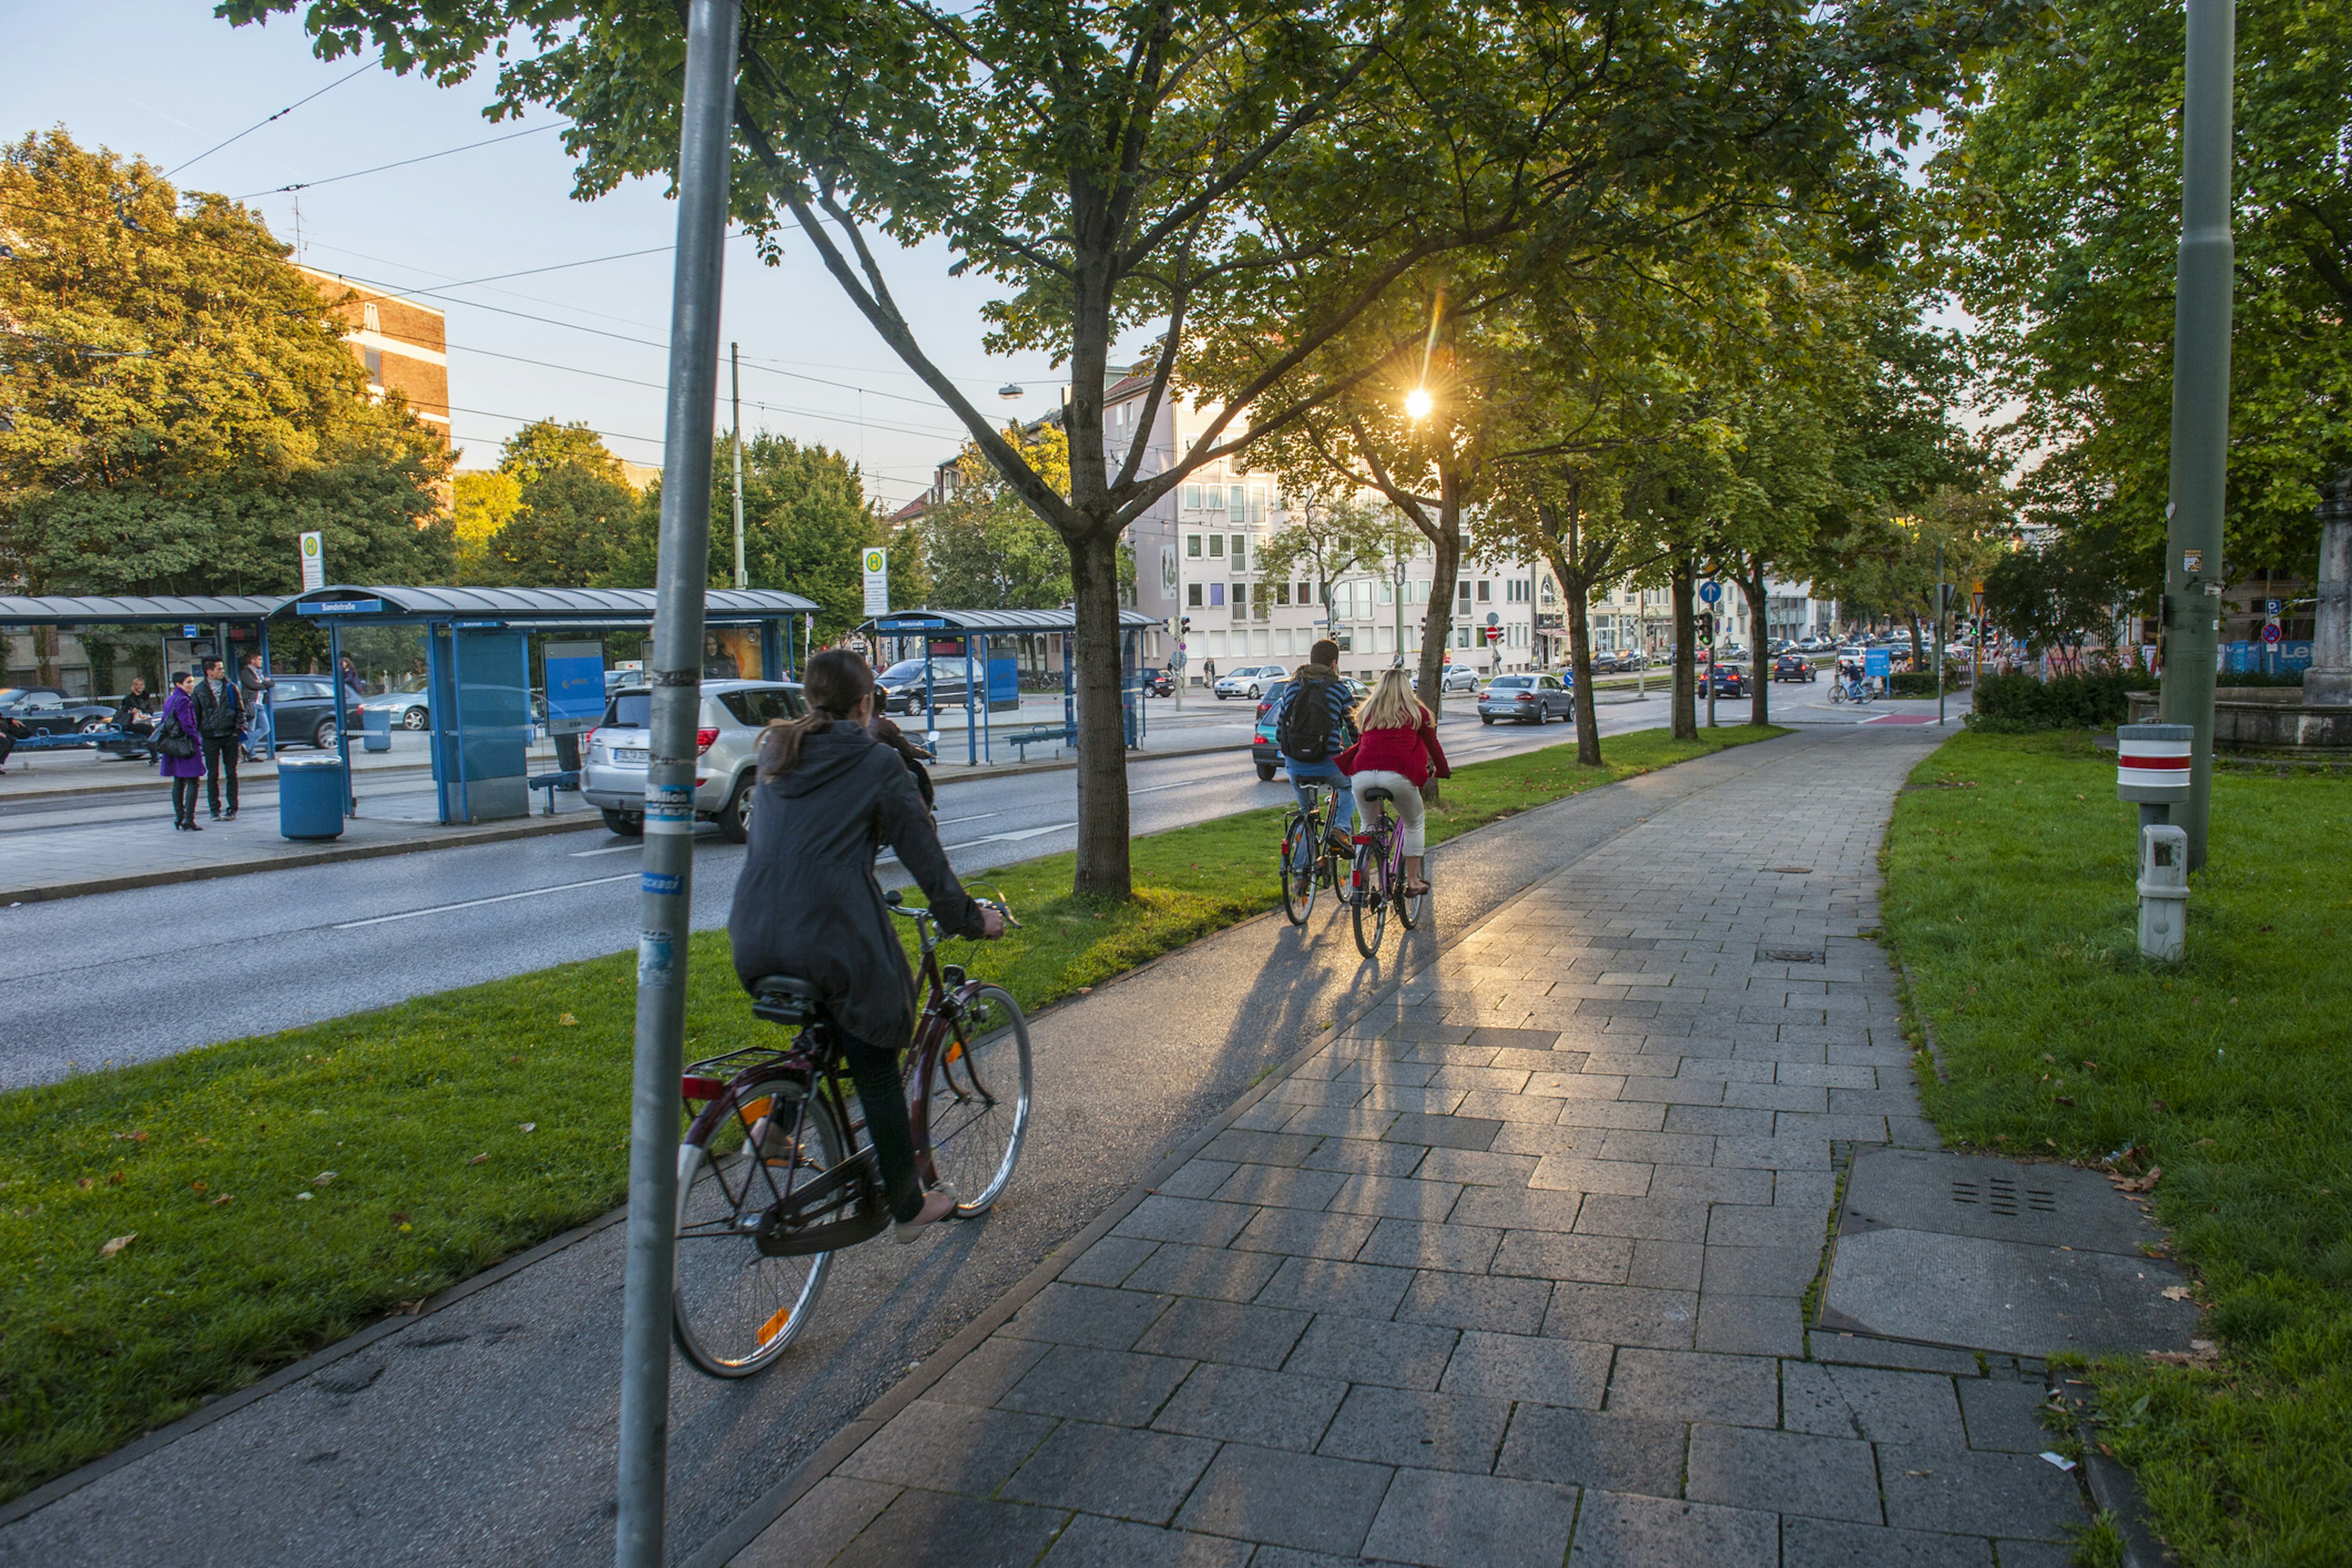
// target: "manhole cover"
[[1995, 1255], [1789, 955]]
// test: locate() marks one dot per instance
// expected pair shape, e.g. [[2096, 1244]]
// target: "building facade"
[[402, 344]]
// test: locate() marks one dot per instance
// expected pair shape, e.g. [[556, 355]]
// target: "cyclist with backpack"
[[1312, 727]]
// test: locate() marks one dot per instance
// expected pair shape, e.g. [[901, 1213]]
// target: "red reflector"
[[702, 739], [586, 738], [700, 1088]]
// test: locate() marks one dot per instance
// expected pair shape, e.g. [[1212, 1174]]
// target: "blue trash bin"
[[377, 723], [310, 797]]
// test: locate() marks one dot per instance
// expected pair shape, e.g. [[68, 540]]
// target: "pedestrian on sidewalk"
[[807, 905], [254, 685], [1311, 725], [1398, 752], [220, 722], [179, 752], [11, 731]]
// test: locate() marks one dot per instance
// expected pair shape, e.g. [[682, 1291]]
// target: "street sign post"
[[1710, 592], [314, 563], [877, 582]]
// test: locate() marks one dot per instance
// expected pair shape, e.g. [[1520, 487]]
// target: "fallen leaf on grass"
[[2201, 1352], [2175, 1292], [567, 1020], [528, 1126], [85, 1182], [302, 1197], [409, 1309], [115, 1179], [117, 1245], [322, 1178], [224, 1198], [2065, 1100], [196, 1187], [479, 1158], [2140, 1184]]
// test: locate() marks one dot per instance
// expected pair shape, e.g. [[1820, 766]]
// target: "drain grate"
[[1790, 955], [2003, 1195]]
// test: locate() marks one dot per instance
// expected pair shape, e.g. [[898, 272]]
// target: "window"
[[1217, 595], [373, 359], [1386, 594], [371, 318], [1241, 600], [1461, 637], [1217, 546], [1462, 591], [1217, 498], [1241, 551], [1241, 501], [1282, 596], [1306, 594], [1193, 547], [1385, 640], [757, 707], [1486, 591], [1258, 503], [1192, 595], [1192, 497], [1282, 640]]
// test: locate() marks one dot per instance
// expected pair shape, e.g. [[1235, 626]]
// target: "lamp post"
[[2200, 403]]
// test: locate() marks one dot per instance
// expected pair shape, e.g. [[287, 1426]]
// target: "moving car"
[[302, 709], [1790, 666], [407, 703], [1525, 698], [613, 756], [1159, 683], [45, 710], [901, 688], [1264, 752], [1252, 681], [1730, 681]]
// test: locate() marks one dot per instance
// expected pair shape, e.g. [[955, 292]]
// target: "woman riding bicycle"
[[807, 904], [1398, 752]]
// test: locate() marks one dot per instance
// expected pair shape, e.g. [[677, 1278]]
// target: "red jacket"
[[1414, 752]]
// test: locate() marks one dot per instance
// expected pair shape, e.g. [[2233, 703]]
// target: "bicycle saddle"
[[1377, 793], [786, 999]]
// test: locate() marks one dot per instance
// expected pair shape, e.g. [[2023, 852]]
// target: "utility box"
[[2163, 890]]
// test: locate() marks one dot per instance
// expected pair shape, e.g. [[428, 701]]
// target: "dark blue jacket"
[[1343, 722]]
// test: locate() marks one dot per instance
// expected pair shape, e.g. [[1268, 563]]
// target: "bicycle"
[[757, 1230], [1857, 692], [1376, 878], [1322, 870]]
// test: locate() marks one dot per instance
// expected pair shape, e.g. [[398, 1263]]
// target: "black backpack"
[[1304, 731]]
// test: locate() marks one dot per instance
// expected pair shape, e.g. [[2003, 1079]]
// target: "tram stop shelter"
[[477, 667], [990, 679]]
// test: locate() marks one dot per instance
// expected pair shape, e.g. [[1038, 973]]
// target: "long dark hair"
[[837, 682]]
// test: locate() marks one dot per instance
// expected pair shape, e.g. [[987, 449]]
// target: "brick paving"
[[1509, 1271]]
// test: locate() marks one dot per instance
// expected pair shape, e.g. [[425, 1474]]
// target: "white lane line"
[[1010, 837], [976, 817], [478, 903], [615, 849], [1182, 783]]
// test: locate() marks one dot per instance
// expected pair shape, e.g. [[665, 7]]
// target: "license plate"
[[629, 753]]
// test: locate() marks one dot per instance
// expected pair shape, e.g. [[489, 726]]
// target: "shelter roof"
[[1062, 620], [585, 606], [135, 609]]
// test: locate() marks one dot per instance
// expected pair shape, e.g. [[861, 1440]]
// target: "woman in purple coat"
[[186, 773]]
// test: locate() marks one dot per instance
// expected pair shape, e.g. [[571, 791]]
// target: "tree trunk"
[[1760, 700], [1103, 868], [1437, 620], [1686, 672], [1580, 658], [1917, 661]]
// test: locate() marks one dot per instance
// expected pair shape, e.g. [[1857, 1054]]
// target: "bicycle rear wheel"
[[975, 1099], [1298, 885], [1409, 907], [1371, 905], [733, 1307]]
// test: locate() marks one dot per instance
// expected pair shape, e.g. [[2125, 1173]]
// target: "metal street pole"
[[735, 379], [1943, 596], [665, 901], [2200, 403]]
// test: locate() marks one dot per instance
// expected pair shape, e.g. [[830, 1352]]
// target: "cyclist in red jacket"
[[1399, 752]]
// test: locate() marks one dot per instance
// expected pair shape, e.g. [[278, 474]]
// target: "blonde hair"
[[1391, 705]]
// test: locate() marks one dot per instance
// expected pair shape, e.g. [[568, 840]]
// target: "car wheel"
[[93, 726], [735, 816], [1485, 718], [1254, 692], [323, 737], [914, 703], [1266, 772], [415, 719], [624, 824]]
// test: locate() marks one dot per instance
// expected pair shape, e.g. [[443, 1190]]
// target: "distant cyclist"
[[1312, 725], [1397, 753]]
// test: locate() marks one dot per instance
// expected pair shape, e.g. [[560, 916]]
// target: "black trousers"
[[220, 761], [183, 799], [883, 1093]]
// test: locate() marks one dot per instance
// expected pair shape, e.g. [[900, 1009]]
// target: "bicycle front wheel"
[[1371, 905], [733, 1307], [1409, 907], [1298, 884], [975, 1098]]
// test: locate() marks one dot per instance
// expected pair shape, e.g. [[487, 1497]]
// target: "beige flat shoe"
[[937, 1206]]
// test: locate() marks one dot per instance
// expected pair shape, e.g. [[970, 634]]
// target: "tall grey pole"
[[664, 909], [735, 382], [1943, 597], [2200, 403]]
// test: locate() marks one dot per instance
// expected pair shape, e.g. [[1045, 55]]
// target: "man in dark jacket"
[[220, 720], [807, 904], [1311, 726]]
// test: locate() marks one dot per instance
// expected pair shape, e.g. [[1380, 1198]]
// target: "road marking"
[[1180, 784], [976, 817], [478, 903], [615, 849], [1010, 837]]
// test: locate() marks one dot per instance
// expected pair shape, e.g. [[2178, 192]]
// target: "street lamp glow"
[[1417, 403]]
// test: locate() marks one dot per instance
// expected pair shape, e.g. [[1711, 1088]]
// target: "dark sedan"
[[903, 690], [1789, 667], [45, 710]]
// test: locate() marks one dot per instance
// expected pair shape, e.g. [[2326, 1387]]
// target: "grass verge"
[[175, 1230], [2010, 897]]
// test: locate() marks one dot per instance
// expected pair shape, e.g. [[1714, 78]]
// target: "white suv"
[[614, 756]]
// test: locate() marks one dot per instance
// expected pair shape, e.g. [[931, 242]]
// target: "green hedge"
[[2019, 704]]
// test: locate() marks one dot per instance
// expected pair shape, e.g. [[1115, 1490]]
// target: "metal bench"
[[1022, 739], [567, 780]]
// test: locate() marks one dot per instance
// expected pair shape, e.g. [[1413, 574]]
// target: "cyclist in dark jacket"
[[807, 903], [1318, 678]]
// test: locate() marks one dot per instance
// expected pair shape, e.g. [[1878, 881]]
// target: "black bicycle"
[[1308, 862]]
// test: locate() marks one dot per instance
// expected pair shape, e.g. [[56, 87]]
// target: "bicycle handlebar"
[[998, 904]]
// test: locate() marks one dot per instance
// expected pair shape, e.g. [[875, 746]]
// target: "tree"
[[984, 549], [805, 524], [1329, 533], [546, 444], [1117, 164], [485, 500], [2062, 188], [176, 402], [575, 529]]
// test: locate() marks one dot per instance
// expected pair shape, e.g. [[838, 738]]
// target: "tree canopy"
[[176, 401]]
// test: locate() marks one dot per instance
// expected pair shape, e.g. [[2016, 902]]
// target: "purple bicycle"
[[1376, 879]]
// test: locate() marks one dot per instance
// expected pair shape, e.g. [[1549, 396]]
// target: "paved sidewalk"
[[1509, 1271]]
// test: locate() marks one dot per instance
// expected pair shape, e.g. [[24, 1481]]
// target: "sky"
[[165, 80]]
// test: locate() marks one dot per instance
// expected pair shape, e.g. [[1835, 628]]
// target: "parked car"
[[1790, 667], [902, 690], [45, 710], [1251, 681], [1525, 699], [407, 703], [614, 756], [1159, 683], [302, 710]]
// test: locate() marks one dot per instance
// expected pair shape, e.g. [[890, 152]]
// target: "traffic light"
[[1706, 622]]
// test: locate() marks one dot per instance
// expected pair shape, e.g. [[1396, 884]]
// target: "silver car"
[[615, 756], [1525, 698], [1250, 681]]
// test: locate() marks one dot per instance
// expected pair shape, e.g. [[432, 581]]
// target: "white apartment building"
[[1628, 619], [1197, 555]]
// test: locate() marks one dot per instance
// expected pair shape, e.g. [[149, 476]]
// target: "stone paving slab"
[[1505, 1274]]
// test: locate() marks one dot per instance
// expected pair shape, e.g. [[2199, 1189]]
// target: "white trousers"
[[1404, 793]]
